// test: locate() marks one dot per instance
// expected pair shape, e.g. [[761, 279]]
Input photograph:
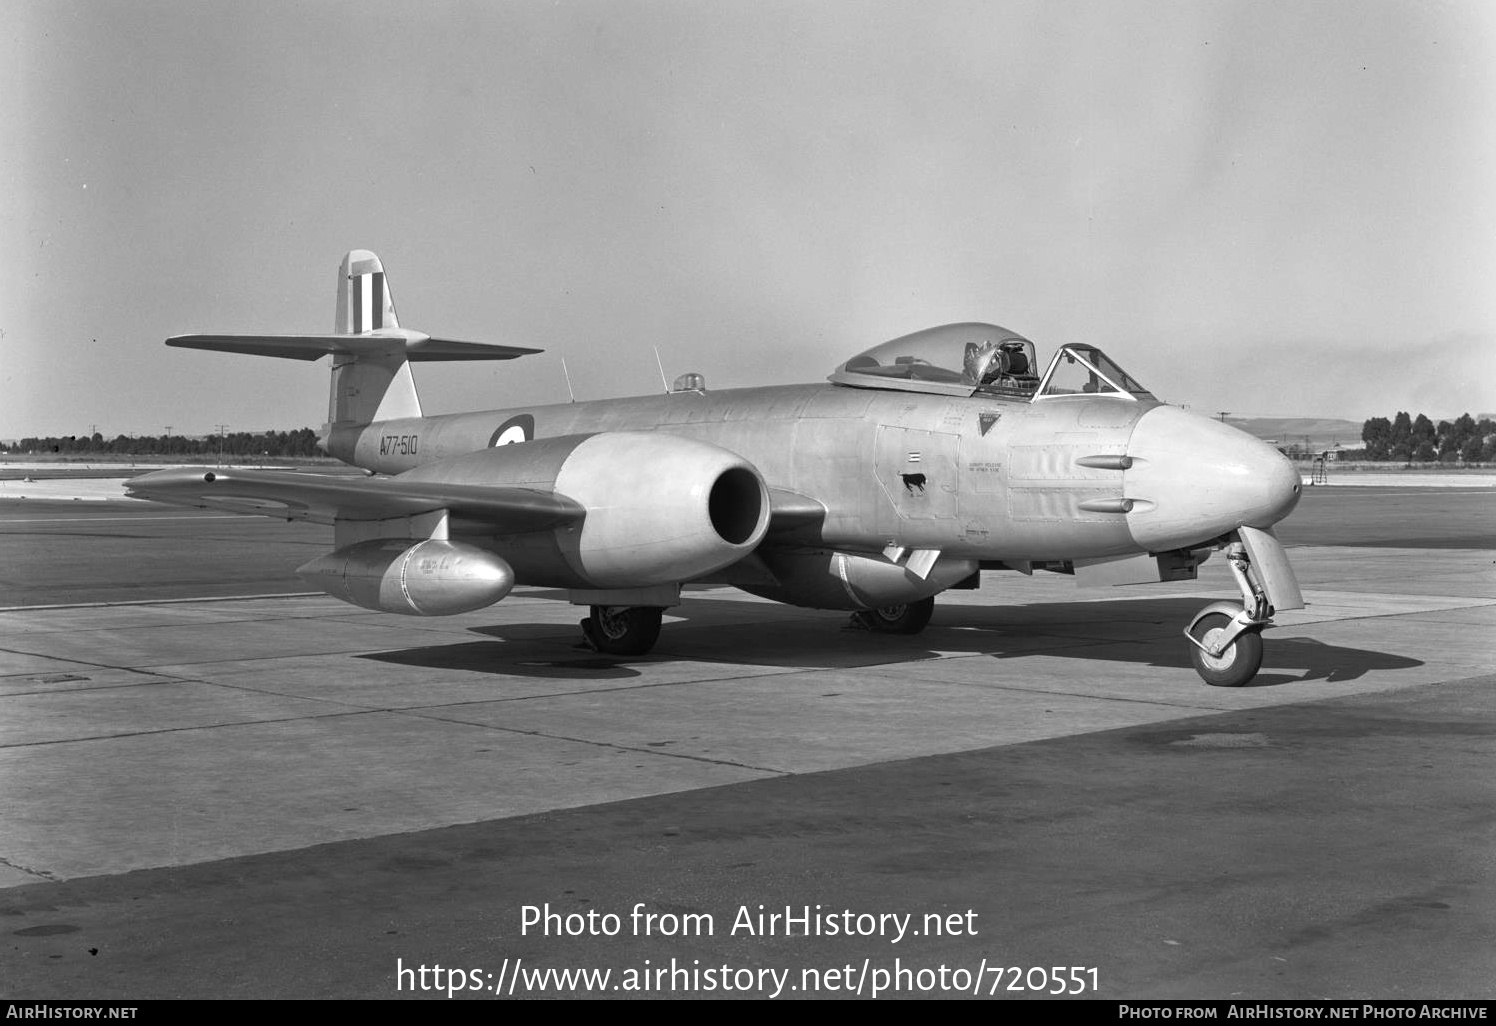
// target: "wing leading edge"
[[327, 498]]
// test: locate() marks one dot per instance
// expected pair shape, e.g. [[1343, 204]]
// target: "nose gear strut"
[[1225, 638]]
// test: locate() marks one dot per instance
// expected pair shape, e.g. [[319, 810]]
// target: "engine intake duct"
[[736, 505]]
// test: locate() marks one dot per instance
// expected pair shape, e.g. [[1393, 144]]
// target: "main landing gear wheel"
[[1233, 667], [622, 630], [906, 619]]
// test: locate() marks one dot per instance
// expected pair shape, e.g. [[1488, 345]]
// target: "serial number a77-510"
[[398, 445]]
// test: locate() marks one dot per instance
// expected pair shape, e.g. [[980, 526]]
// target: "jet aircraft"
[[917, 465]]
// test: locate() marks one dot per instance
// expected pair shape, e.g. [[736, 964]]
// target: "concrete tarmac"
[[208, 795]]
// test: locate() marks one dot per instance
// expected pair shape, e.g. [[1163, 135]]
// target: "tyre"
[[1233, 667], [906, 619], [623, 630]]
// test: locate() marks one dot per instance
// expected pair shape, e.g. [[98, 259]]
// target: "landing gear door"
[[1271, 567]]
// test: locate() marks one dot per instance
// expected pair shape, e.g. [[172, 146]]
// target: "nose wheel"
[[1228, 665]]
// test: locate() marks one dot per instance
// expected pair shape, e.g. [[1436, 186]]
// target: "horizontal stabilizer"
[[416, 346], [328, 498], [451, 349]]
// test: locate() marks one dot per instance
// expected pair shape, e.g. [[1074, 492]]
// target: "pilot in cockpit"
[[991, 362]]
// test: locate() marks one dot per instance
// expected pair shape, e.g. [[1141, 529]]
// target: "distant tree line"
[[1403, 438], [1420, 440], [239, 443]]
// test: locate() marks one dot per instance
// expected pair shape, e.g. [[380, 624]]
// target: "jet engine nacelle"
[[430, 578], [828, 579], [658, 508]]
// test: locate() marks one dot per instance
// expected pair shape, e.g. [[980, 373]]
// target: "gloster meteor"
[[917, 465]]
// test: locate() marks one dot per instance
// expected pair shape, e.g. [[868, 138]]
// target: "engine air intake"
[[736, 505]]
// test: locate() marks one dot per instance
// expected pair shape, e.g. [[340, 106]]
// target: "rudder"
[[364, 301]]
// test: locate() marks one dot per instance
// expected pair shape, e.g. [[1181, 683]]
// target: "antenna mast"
[[662, 370]]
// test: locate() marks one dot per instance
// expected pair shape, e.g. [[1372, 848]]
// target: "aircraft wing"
[[327, 498]]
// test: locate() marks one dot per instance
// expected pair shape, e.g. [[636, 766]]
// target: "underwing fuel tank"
[[827, 579], [430, 578]]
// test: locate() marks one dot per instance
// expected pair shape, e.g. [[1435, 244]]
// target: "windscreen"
[[1086, 370]]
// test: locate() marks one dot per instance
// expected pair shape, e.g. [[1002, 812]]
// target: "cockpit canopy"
[[984, 359]]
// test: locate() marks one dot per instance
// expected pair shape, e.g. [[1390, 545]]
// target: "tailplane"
[[371, 353]]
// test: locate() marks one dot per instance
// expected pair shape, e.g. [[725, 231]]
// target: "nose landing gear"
[[1226, 638]]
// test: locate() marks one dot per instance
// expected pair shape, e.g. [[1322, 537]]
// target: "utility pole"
[[1223, 414], [221, 429]]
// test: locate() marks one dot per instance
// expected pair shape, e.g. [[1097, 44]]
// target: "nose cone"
[[1193, 479]]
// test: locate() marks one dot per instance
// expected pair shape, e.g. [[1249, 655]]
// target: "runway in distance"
[[918, 464]]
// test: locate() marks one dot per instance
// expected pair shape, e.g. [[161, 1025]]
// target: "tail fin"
[[364, 302], [371, 353], [376, 384]]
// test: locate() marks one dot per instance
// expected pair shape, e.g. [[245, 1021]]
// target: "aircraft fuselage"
[[981, 477]]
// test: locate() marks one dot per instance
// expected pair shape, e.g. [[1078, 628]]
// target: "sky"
[[1267, 208]]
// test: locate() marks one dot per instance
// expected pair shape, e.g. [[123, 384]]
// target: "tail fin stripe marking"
[[358, 304], [377, 297]]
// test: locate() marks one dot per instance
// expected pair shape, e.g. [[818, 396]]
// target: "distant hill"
[[1321, 432]]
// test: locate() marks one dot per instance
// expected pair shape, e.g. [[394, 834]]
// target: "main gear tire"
[[910, 618], [622, 630]]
